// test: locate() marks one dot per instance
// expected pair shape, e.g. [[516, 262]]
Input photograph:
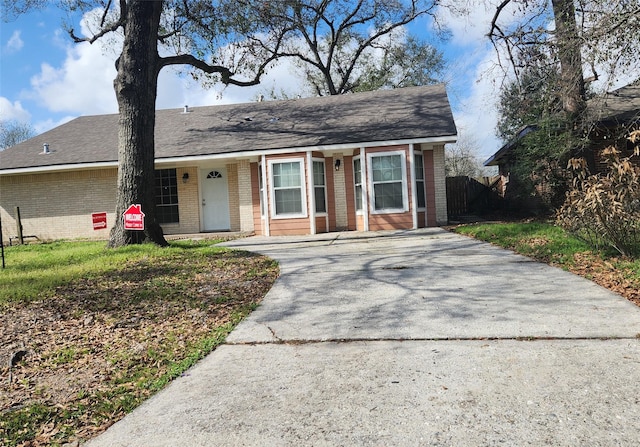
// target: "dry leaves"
[[102, 345]]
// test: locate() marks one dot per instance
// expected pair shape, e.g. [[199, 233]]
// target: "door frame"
[[202, 176]]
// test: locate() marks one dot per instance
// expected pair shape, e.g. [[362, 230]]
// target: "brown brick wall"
[[59, 205]]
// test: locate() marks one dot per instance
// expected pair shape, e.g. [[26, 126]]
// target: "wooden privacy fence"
[[467, 195]]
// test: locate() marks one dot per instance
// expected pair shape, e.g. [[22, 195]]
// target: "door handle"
[[203, 202]]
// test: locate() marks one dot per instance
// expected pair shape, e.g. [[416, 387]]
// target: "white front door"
[[215, 199]]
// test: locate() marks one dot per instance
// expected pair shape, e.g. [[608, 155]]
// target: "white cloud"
[[15, 42], [13, 111], [468, 24], [474, 76], [177, 89], [82, 85], [477, 114], [43, 126]]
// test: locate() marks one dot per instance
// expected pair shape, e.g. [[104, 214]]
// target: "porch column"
[[440, 181], [265, 195], [414, 195], [311, 203], [364, 167], [245, 202]]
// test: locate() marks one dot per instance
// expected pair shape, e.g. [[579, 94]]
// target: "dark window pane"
[[388, 196], [321, 206], [420, 194], [166, 192], [288, 201]]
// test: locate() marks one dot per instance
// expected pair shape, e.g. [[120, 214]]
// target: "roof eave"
[[444, 139], [59, 168], [321, 148]]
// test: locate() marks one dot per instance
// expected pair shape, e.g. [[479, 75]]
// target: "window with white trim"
[[287, 188], [388, 182], [357, 179], [419, 168], [319, 186], [166, 195], [261, 189]]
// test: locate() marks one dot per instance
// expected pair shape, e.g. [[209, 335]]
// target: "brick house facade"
[[360, 162]]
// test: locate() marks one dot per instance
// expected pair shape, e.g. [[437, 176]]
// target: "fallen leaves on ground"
[[613, 274], [102, 345]]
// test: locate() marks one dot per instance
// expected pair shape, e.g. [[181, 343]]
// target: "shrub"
[[604, 210]]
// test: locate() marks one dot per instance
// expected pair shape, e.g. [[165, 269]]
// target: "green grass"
[[166, 292], [34, 271], [539, 240]]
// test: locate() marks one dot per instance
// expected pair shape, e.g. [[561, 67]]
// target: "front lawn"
[[89, 333]]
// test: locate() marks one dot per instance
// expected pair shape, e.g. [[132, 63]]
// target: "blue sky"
[[46, 79]]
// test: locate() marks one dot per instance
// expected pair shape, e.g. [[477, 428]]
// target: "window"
[[319, 187], [287, 188], [261, 186], [419, 166], [166, 191], [388, 180], [357, 178]]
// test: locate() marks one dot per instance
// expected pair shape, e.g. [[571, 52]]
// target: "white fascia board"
[[233, 155], [60, 168]]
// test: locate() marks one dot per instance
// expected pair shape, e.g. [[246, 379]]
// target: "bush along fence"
[[604, 209]]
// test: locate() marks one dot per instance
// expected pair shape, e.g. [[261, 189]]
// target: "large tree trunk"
[[136, 87], [568, 45]]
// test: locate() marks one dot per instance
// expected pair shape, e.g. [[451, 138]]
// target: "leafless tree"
[[344, 46], [13, 132]]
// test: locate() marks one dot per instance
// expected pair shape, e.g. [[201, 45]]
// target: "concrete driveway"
[[414, 338]]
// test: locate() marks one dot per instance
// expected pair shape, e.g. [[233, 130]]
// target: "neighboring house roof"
[[621, 106], [503, 153], [361, 119]]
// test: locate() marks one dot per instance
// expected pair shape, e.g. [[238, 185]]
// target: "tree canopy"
[[557, 52], [344, 46], [13, 132]]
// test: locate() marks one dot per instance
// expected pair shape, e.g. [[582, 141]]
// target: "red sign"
[[133, 218], [99, 221]]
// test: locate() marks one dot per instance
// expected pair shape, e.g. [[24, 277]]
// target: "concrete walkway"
[[408, 339]]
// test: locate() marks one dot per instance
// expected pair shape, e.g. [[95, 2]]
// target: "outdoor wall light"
[[338, 164], [185, 177]]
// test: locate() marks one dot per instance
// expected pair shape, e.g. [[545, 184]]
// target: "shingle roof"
[[621, 106], [403, 114]]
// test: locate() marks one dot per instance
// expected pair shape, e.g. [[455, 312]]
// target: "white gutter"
[[58, 168], [242, 154]]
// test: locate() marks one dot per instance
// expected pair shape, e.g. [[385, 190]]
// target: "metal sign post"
[[1, 242]]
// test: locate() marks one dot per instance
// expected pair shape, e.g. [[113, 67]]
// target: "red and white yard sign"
[[99, 221], [133, 218]]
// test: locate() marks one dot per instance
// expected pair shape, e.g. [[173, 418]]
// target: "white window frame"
[[303, 187], [263, 207], [403, 166], [422, 180], [324, 187], [355, 186]]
